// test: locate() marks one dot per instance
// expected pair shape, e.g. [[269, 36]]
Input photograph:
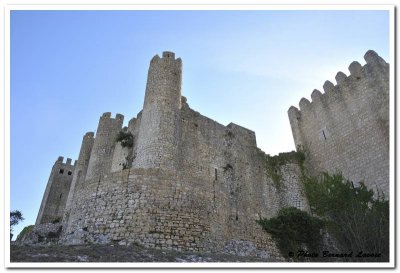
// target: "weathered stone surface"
[[42, 234], [347, 129]]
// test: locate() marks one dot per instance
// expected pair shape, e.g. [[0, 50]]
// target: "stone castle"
[[174, 179]]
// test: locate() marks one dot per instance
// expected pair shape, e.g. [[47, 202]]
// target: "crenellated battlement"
[[89, 134], [168, 54], [345, 85], [346, 127], [168, 58], [107, 115], [60, 160]]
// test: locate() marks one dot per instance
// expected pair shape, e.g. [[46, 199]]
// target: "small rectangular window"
[[61, 171], [69, 172], [216, 174]]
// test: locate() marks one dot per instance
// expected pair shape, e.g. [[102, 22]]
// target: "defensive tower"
[[56, 193], [80, 168], [157, 140], [346, 129], [103, 147]]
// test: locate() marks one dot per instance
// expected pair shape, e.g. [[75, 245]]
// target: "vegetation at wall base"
[[293, 230], [357, 220], [26, 230]]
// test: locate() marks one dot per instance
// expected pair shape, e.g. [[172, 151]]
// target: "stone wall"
[[40, 234], [211, 203], [160, 209], [346, 129]]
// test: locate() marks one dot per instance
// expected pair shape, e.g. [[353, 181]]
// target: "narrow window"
[[60, 195], [61, 171], [69, 172], [216, 174]]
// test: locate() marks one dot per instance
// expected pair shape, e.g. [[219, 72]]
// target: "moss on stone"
[[26, 230], [273, 163]]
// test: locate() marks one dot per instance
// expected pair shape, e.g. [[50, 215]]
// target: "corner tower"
[[157, 139], [346, 128], [56, 193]]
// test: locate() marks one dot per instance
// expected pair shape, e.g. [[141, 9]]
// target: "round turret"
[[157, 136]]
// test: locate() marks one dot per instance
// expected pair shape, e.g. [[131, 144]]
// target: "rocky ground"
[[117, 253]]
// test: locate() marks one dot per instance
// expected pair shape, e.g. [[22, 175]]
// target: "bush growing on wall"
[[125, 138]]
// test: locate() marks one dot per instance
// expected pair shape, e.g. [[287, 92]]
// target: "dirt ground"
[[116, 253]]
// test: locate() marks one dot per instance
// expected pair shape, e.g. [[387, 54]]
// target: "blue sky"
[[246, 67]]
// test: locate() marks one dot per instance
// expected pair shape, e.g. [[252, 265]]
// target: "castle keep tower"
[[56, 194], [157, 147], [346, 129]]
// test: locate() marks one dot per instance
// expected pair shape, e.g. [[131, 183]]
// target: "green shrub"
[[356, 219], [294, 230], [125, 138]]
